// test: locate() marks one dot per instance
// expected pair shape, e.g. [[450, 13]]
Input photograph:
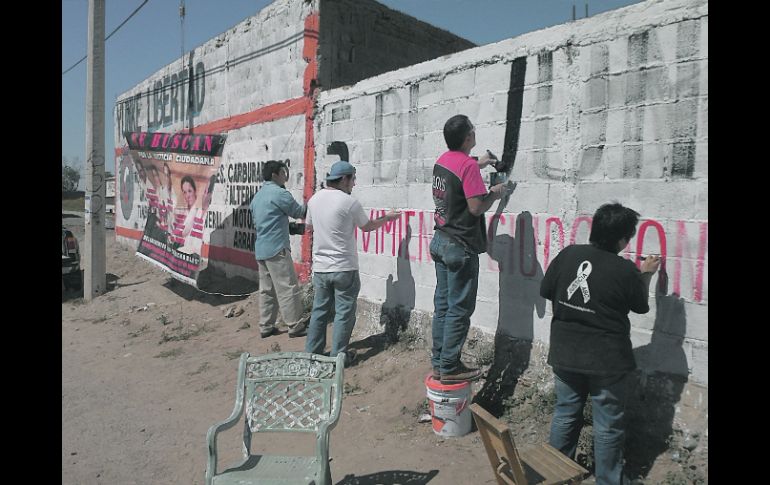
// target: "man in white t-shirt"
[[332, 215]]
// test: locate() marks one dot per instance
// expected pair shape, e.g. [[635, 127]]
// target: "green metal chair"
[[282, 392]]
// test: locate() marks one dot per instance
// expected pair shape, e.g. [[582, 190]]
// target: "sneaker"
[[268, 333], [463, 373], [300, 330]]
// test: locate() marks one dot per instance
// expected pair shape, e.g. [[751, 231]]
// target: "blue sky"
[[152, 39]]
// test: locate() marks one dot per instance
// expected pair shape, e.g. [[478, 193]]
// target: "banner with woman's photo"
[[178, 173]]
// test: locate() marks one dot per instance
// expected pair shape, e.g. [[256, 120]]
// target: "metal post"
[[95, 281]]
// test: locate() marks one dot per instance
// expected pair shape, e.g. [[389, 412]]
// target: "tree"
[[70, 176]]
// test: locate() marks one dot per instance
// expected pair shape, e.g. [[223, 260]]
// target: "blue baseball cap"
[[340, 169]]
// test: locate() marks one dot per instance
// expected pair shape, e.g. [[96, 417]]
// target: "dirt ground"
[[148, 367]]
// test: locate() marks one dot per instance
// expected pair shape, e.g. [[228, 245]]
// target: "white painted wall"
[[614, 107], [259, 64]]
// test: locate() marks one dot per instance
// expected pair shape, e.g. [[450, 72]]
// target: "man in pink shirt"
[[461, 200]]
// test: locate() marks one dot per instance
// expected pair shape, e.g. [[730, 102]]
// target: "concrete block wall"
[[274, 141], [256, 63], [257, 82], [613, 107], [363, 38]]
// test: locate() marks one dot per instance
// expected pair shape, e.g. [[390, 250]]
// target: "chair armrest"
[[211, 435], [334, 413], [322, 448], [322, 436], [211, 439]]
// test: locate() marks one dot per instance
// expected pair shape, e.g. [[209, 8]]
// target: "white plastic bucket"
[[449, 407]]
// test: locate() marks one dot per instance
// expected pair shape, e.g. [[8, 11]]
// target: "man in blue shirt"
[[278, 287]]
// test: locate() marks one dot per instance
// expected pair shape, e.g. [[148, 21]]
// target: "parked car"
[[70, 261]]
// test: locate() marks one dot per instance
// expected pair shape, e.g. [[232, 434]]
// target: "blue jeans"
[[457, 280], [608, 397], [338, 289]]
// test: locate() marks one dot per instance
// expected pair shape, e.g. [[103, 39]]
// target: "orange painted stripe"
[[310, 87], [232, 256], [299, 267], [217, 253], [312, 26], [277, 111], [292, 107], [126, 232]]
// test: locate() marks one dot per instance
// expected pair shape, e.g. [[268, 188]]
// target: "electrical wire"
[[111, 33]]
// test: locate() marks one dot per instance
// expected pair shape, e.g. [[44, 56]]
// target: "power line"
[[105, 39]]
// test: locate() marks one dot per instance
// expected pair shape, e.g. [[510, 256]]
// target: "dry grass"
[[170, 353]]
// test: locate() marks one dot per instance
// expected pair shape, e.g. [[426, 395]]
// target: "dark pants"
[[457, 280], [608, 398]]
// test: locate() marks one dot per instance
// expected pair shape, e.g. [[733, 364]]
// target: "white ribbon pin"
[[582, 274]]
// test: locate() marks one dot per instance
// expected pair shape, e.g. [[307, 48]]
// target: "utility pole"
[[95, 282], [182, 12], [181, 26]]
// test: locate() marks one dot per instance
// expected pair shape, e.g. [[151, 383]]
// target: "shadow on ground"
[[511, 359], [394, 477], [214, 288], [374, 344], [74, 287], [113, 282]]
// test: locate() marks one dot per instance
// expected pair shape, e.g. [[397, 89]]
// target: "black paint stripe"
[[513, 112]]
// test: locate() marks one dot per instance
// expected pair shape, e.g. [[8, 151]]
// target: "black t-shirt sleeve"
[[638, 296]]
